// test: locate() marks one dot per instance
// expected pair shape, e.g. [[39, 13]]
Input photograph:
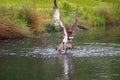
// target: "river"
[[96, 56]]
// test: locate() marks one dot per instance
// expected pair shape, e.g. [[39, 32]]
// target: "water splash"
[[82, 50]]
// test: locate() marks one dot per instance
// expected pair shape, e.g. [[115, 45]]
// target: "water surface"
[[96, 56]]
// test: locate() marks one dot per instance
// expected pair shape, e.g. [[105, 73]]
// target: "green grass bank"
[[29, 17]]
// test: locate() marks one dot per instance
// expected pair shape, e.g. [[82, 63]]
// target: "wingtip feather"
[[55, 4]]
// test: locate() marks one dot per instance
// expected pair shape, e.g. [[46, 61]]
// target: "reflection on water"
[[36, 59], [66, 63], [66, 68]]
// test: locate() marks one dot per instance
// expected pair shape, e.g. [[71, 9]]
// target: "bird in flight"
[[68, 32]]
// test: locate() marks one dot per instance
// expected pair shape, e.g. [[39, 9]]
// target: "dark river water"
[[96, 56]]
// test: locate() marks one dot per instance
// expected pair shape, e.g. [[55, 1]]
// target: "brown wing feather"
[[73, 27], [55, 4]]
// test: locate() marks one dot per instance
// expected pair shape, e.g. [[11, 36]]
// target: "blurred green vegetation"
[[34, 15]]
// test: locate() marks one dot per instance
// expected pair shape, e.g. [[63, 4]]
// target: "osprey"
[[68, 32]]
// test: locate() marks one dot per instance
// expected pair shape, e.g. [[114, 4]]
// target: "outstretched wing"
[[56, 15], [73, 27], [58, 22]]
